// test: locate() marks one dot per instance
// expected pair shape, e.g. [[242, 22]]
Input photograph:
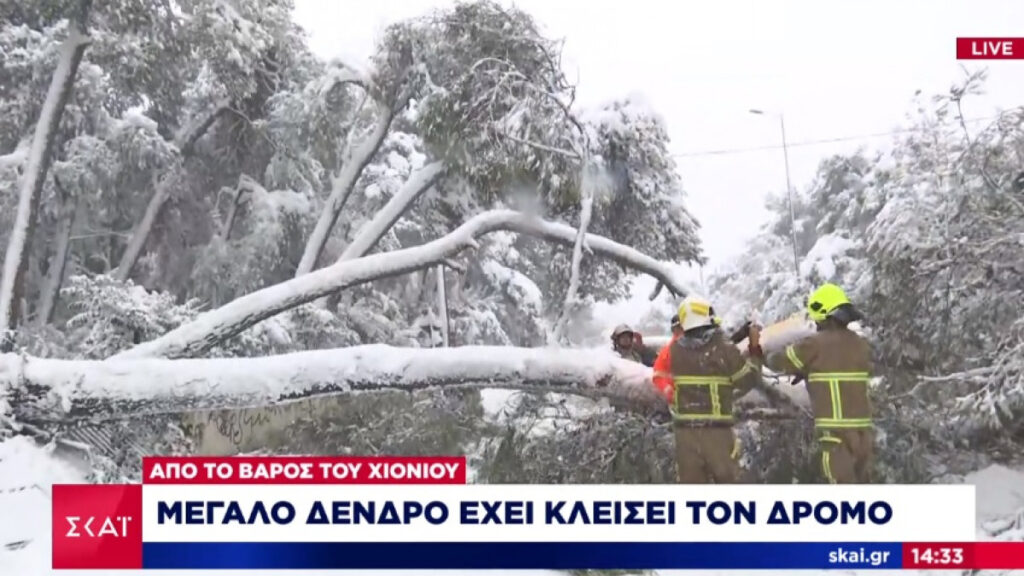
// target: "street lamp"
[[789, 189]]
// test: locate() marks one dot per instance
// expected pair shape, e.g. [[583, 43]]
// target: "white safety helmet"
[[695, 312], [620, 330]]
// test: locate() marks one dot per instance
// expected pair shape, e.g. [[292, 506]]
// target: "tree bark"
[[16, 259], [55, 273], [215, 326], [185, 142], [355, 160], [51, 393]]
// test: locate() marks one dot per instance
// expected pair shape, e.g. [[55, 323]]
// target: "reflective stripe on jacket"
[[837, 365], [704, 371]]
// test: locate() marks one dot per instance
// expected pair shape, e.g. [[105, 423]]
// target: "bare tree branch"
[[185, 141]]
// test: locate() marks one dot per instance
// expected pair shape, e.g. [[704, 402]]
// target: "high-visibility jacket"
[[837, 365], [707, 372], [663, 370]]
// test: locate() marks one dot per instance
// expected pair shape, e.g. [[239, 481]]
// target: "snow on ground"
[[27, 473]]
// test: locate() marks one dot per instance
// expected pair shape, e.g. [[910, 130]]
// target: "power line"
[[725, 151]]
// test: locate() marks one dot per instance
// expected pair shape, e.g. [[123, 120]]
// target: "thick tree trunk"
[[355, 160], [186, 146], [50, 392], [20, 244], [215, 326], [55, 273]]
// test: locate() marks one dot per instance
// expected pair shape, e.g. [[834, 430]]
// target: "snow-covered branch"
[[341, 72], [185, 141], [370, 233], [571, 294], [215, 326], [45, 390], [191, 133], [355, 159], [38, 162]]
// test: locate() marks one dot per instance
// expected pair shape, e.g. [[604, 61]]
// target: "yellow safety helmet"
[[695, 312], [824, 300]]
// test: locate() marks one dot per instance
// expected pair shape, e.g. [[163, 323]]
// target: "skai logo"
[[92, 527]]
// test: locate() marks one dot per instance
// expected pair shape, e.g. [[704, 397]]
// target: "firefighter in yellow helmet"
[[706, 371], [836, 363]]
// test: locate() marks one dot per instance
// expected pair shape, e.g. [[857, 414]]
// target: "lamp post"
[[789, 190]]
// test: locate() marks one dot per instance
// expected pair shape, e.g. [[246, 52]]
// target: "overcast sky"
[[835, 69]]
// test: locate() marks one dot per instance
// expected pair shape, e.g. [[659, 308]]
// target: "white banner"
[[557, 513]]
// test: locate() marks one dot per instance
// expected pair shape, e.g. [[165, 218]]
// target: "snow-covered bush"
[[109, 316]]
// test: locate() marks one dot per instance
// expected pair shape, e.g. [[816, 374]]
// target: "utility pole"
[[442, 305], [789, 191]]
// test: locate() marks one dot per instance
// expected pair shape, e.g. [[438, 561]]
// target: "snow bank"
[[1000, 490], [27, 473]]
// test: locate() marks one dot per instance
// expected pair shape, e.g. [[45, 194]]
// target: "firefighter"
[[623, 342], [836, 363], [662, 368], [704, 372]]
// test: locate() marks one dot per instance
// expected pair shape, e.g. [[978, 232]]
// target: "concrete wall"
[[225, 432]]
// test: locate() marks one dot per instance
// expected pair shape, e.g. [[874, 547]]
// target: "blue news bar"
[[522, 555]]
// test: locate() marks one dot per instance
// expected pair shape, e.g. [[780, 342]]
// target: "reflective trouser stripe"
[[735, 448], [826, 466]]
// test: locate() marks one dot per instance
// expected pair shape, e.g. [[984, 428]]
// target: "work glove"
[[741, 333]]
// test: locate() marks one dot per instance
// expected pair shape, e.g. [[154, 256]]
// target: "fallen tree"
[[213, 327], [42, 389], [46, 392]]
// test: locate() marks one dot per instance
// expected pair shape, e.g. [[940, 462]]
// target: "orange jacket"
[[663, 371]]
